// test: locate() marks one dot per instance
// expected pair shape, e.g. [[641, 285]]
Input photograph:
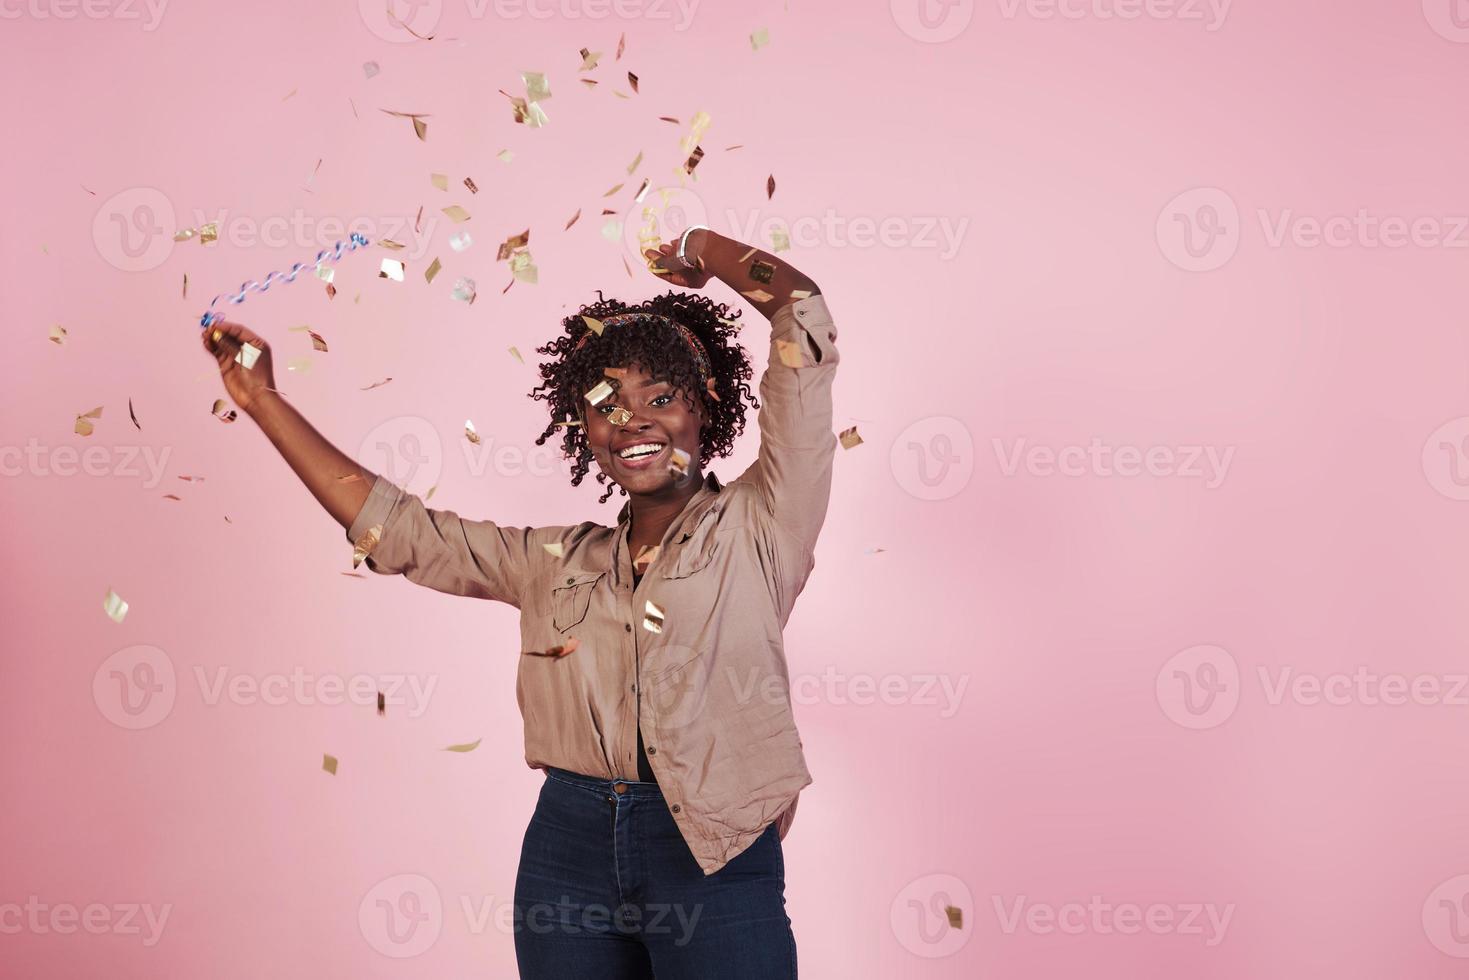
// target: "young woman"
[[652, 682]]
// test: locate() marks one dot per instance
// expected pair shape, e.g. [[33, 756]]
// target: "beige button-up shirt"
[[715, 695]]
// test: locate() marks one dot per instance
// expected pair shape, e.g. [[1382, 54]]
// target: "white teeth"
[[646, 449]]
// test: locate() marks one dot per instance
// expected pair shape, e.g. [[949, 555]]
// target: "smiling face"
[[660, 417]]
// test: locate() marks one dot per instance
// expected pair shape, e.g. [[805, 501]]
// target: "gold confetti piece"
[[553, 548], [83, 427], [589, 82], [759, 39], [376, 384], [956, 916], [607, 211], [770, 187], [594, 325], [669, 119], [647, 554], [621, 95], [758, 295], [293, 92], [349, 478], [621, 43], [619, 416], [433, 269], [317, 342], [420, 129], [511, 244], [614, 190], [849, 438], [693, 160], [873, 551], [523, 269], [382, 704], [456, 214], [57, 335], [748, 254], [800, 294], [186, 285], [614, 372], [365, 544], [229, 416], [418, 220], [537, 89], [761, 271], [571, 644], [369, 68], [469, 182], [678, 462], [790, 353], [632, 80], [460, 241], [600, 392], [208, 233], [115, 606], [700, 123], [516, 354], [465, 747], [299, 364], [558, 425], [430, 495], [441, 181], [348, 574], [505, 155], [171, 496], [780, 241], [392, 269], [192, 479], [470, 433], [735, 147], [329, 763], [573, 220], [589, 59], [652, 617], [247, 355], [390, 244], [132, 415]]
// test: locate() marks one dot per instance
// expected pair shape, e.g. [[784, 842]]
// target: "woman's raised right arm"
[[319, 464]]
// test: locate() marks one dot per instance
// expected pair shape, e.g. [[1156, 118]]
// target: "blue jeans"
[[608, 889]]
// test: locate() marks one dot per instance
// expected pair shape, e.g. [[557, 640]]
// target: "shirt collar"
[[711, 485]]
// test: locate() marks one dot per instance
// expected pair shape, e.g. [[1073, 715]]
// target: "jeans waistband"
[[604, 786]]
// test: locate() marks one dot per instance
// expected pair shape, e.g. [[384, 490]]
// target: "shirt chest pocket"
[[571, 597]]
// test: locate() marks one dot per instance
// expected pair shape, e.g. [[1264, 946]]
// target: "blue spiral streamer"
[[325, 255]]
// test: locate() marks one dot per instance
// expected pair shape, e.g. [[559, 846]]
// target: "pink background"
[[1077, 763]]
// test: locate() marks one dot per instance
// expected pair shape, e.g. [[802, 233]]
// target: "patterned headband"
[[696, 347]]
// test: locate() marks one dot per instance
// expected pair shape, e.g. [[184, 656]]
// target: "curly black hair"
[[660, 351]]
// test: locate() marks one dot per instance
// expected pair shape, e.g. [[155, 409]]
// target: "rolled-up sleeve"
[[797, 445], [440, 550]]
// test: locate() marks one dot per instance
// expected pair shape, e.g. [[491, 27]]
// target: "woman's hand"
[[245, 387], [665, 257]]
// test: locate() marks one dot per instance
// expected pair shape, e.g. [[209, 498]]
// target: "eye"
[[660, 398]]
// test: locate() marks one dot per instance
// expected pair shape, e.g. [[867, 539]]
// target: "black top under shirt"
[[645, 771]]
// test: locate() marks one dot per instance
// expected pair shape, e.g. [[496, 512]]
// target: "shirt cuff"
[[379, 507], [811, 317]]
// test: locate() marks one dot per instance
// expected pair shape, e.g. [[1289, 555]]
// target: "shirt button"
[[570, 580], [620, 788], [677, 809], [652, 750], [634, 687], [627, 626]]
